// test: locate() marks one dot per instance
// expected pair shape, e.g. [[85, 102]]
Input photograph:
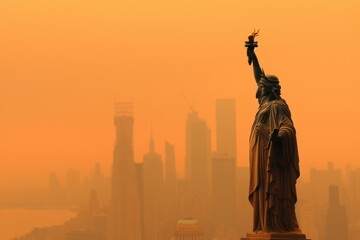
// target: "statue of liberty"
[[274, 160]]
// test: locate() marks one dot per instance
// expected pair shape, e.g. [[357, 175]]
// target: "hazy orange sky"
[[64, 63]]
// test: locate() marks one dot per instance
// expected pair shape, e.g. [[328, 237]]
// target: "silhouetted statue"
[[274, 160]]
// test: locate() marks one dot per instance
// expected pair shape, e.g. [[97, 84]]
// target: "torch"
[[251, 44]]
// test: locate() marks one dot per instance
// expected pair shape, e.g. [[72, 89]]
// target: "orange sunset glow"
[[64, 64]]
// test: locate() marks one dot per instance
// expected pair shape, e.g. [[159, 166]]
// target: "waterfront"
[[17, 222]]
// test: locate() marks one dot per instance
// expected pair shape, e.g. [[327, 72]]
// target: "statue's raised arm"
[[251, 45], [268, 85]]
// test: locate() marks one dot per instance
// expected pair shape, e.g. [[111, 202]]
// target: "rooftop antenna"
[[191, 105]]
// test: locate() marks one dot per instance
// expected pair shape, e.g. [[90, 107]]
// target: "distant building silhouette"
[[224, 197], [318, 186], [184, 199], [224, 171], [90, 223], [55, 192], [188, 229], [226, 127], [321, 180], [124, 216], [244, 209], [307, 214], [139, 175], [321, 215], [198, 151], [352, 201], [153, 196], [197, 170], [97, 182], [54, 184], [170, 180], [171, 204], [73, 188], [336, 219]]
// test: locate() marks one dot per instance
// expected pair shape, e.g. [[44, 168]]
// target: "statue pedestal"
[[275, 236]]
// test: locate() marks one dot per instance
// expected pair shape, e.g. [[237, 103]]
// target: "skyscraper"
[[197, 171], [170, 180], [226, 127], [97, 183], [224, 195], [124, 217], [171, 204], [153, 181], [336, 219], [224, 171], [198, 151]]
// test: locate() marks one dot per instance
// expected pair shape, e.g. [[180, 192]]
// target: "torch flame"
[[254, 34]]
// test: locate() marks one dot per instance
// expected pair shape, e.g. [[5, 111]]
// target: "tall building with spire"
[[124, 217], [153, 196]]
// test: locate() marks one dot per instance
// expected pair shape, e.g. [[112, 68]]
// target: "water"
[[17, 222]]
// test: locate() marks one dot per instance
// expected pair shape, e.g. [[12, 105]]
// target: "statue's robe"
[[274, 169]]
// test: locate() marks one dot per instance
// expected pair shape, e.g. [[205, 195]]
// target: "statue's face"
[[262, 92]]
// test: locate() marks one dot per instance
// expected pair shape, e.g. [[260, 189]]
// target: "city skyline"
[[180, 169], [153, 174], [64, 65], [314, 215]]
